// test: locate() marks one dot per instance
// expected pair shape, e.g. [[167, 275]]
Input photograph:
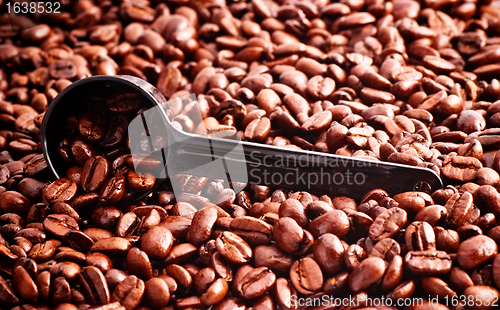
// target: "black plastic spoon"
[[179, 152]]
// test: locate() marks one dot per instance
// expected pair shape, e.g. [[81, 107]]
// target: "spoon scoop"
[[160, 147]]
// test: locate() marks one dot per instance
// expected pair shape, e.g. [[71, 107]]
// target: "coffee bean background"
[[404, 81]]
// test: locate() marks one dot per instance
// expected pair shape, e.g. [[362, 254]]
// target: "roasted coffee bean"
[[215, 292], [60, 291], [94, 286], [35, 165], [447, 240], [335, 222], [157, 242], [43, 281], [329, 253], [486, 196], [80, 150], [129, 292], [458, 207], [476, 251], [288, 234], [255, 282], [156, 292], [201, 225], [68, 270], [386, 249], [319, 88], [42, 252], [420, 236], [481, 294], [140, 182], [64, 208], [428, 263], [77, 240], [366, 273], [106, 217], [180, 274], [60, 224], [317, 122], [233, 248], [24, 284], [139, 264], [353, 256], [92, 126], [100, 261], [460, 168], [294, 209], [388, 223], [111, 246], [112, 190], [306, 276], [14, 202], [127, 224], [61, 190], [258, 129], [94, 173], [393, 274], [273, 257]]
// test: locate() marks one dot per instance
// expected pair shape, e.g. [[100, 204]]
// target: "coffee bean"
[[14, 202], [94, 285], [306, 276], [481, 294], [215, 292], [233, 248], [428, 262], [366, 273], [42, 252], [157, 242], [68, 270], [458, 207], [129, 292], [139, 264], [255, 283], [329, 253], [288, 234], [100, 261], [386, 249], [94, 173], [60, 224], [112, 190], [111, 246], [258, 129], [60, 292], [140, 182], [388, 223], [156, 292], [320, 88], [77, 240], [476, 251], [273, 257], [335, 222], [35, 165], [420, 236], [24, 285], [201, 226], [61, 190], [318, 122]]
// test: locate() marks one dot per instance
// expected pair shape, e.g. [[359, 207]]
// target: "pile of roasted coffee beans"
[[404, 81]]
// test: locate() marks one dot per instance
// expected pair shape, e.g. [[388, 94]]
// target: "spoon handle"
[[316, 172], [246, 162]]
